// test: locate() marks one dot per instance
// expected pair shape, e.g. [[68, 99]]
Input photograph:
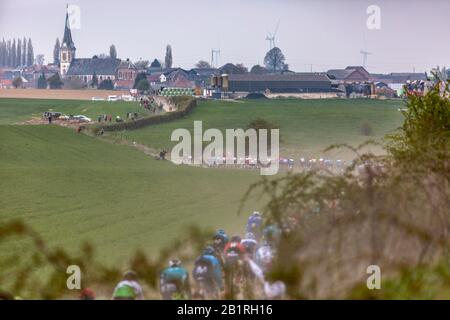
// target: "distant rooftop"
[[101, 66], [305, 76]]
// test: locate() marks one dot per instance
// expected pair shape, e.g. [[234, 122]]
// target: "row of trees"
[[15, 53], [55, 82]]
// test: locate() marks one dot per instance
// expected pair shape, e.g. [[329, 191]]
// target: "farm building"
[[280, 83], [398, 77], [350, 74]]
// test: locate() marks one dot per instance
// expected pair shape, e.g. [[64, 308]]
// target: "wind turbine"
[[215, 57], [364, 52], [271, 37]]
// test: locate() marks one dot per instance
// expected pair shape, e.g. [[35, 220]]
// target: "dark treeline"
[[16, 53]]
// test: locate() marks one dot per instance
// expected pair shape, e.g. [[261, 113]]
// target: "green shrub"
[[106, 85]]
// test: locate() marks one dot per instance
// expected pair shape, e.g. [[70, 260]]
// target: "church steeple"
[[67, 50], [67, 39]]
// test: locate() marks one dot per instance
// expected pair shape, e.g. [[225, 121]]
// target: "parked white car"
[[128, 97], [82, 118], [97, 99], [113, 98]]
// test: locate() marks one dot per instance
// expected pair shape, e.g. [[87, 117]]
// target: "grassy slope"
[[73, 187], [15, 110], [306, 126]]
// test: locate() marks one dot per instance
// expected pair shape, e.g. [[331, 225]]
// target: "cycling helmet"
[[250, 235], [236, 239], [256, 213], [87, 294], [174, 263], [209, 251], [130, 275], [271, 233], [221, 235]]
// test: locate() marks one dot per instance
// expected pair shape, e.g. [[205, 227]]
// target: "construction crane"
[[271, 36]]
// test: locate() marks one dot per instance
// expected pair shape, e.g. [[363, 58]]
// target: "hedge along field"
[[183, 104], [72, 188], [17, 110], [307, 127]]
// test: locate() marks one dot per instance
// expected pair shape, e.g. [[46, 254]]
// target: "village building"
[[279, 83], [351, 74], [398, 77], [396, 81], [202, 76], [155, 67], [126, 74], [86, 68], [170, 77], [121, 73]]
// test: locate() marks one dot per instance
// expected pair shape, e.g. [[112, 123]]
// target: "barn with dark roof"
[[279, 83], [350, 74]]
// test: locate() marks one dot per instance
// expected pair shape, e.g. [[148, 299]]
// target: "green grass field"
[[307, 127], [71, 187], [16, 110]]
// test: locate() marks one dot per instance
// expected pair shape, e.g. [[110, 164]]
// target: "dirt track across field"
[[63, 123], [58, 94]]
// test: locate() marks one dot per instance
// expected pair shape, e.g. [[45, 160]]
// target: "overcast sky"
[[324, 33]]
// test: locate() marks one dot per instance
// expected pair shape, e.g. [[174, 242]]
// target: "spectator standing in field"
[[49, 119]]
